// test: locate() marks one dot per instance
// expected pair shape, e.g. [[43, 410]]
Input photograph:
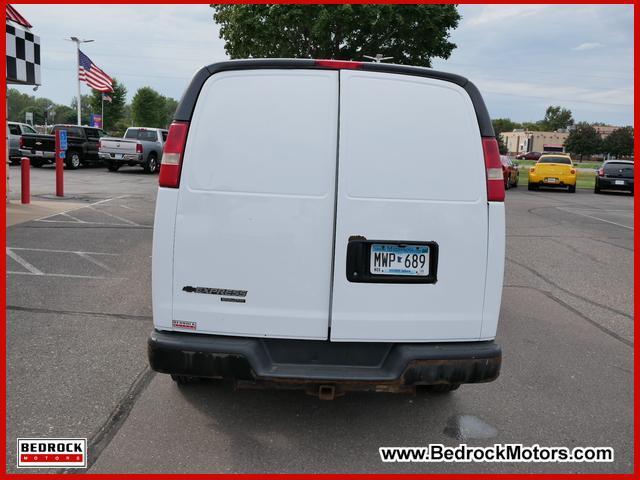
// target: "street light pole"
[[77, 41]]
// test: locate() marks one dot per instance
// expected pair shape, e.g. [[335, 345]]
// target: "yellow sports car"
[[553, 170]]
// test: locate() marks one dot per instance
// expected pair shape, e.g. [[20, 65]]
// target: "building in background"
[[522, 141]]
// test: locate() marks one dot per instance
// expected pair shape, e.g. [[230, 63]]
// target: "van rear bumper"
[[305, 362]]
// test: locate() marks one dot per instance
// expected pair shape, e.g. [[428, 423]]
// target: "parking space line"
[[62, 251], [63, 275], [595, 218], [33, 270], [122, 219], [94, 261]]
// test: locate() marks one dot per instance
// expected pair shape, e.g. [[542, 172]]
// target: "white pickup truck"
[[139, 146]]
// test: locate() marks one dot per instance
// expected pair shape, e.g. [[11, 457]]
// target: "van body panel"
[[495, 270], [401, 140], [256, 205], [162, 257]]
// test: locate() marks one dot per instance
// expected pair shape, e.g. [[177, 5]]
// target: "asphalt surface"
[[79, 312]]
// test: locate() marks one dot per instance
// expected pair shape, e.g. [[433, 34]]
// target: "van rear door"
[[255, 213], [411, 172]]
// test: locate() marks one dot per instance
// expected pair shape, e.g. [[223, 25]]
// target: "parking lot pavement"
[[77, 352]]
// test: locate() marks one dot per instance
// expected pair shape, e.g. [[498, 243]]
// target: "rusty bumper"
[[382, 366]]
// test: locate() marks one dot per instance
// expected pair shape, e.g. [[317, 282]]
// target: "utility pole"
[[77, 41]]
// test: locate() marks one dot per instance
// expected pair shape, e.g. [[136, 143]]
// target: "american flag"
[[93, 76]]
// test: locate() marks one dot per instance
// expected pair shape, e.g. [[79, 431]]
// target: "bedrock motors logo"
[[52, 453]]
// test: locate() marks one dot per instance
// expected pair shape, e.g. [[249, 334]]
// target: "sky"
[[523, 58]]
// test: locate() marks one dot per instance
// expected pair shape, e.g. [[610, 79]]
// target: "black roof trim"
[[190, 96]]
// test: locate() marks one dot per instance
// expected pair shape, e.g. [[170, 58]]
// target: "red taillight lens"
[[348, 64], [493, 166], [139, 148], [532, 169], [572, 171], [171, 164], [601, 172], [21, 142]]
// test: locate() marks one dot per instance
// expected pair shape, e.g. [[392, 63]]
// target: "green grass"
[[585, 179], [531, 163]]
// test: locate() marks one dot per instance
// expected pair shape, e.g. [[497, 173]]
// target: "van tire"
[[72, 161], [439, 389], [572, 189], [532, 186], [151, 165], [183, 379]]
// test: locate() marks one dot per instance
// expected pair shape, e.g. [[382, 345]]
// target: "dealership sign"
[[52, 453]]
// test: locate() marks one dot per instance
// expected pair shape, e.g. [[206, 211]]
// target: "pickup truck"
[[82, 146], [139, 146], [16, 130]]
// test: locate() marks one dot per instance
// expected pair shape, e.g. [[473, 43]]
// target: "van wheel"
[[442, 388], [151, 165], [73, 160], [113, 167], [532, 186], [572, 189], [183, 379]]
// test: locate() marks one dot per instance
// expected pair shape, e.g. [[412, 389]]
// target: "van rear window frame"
[[187, 104]]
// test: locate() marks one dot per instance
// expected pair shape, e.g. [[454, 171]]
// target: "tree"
[[583, 140], [85, 109], [619, 143], [148, 108], [411, 34], [501, 125], [114, 110], [170, 107], [556, 118]]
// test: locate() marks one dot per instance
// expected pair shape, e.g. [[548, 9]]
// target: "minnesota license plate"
[[399, 259]]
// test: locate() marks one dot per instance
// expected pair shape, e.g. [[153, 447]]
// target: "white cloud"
[[492, 14], [587, 46]]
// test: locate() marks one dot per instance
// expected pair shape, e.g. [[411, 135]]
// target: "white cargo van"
[[329, 225]]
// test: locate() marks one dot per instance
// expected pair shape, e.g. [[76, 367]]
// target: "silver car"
[[14, 132]]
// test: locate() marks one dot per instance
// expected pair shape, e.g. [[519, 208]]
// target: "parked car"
[[615, 175], [82, 148], [273, 265], [528, 156], [510, 172], [139, 146], [553, 170], [15, 131]]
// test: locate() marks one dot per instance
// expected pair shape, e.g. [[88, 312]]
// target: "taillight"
[[139, 148], [21, 142], [532, 169], [348, 64], [601, 172], [99, 144], [573, 172], [171, 164], [493, 166]]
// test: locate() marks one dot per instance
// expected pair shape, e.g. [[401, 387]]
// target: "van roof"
[[190, 96]]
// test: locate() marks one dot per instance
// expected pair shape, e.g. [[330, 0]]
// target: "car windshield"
[[563, 160]]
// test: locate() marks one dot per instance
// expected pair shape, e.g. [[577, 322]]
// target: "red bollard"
[[25, 175], [59, 167]]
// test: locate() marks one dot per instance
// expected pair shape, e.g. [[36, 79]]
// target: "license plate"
[[619, 182], [551, 180], [117, 155], [396, 259]]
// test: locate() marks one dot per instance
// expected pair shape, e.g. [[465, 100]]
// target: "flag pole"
[[77, 41], [102, 111]]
